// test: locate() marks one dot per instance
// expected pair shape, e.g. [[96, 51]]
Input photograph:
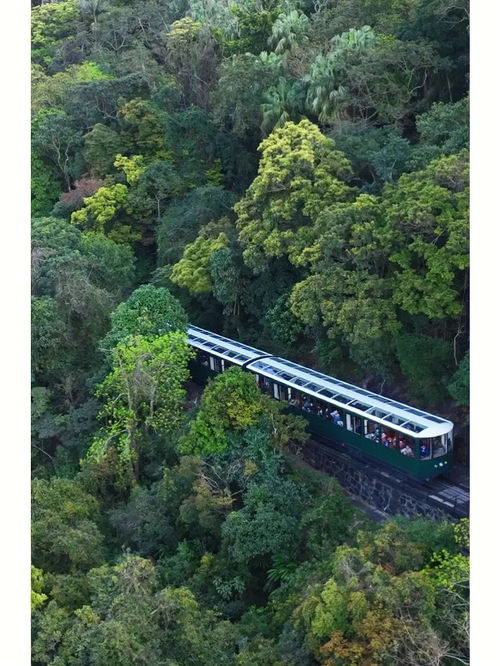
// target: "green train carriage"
[[415, 442]]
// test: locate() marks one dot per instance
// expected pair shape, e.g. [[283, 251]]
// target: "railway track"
[[385, 489]]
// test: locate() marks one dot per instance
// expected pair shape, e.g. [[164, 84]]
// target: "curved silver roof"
[[225, 348], [390, 413]]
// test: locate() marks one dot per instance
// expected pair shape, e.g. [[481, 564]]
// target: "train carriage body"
[[396, 435]]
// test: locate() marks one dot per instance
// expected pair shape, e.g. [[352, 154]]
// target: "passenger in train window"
[[424, 451], [408, 451]]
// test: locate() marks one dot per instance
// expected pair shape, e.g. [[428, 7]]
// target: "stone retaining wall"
[[370, 485]]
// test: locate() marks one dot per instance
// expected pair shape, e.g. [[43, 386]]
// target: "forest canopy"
[[292, 174]]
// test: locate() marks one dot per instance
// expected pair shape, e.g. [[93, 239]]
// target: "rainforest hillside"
[[293, 174]]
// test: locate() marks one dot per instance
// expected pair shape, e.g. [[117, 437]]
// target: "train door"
[[280, 392], [215, 364], [354, 423]]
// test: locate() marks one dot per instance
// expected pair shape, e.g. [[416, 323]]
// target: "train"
[[399, 437]]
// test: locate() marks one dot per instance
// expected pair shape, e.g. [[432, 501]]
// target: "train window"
[[285, 376], [335, 415], [406, 448], [372, 430], [358, 405], [202, 358], [342, 398], [414, 427], [266, 385], [390, 418], [391, 439], [438, 446], [425, 448]]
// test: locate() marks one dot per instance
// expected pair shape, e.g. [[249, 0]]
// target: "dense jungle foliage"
[[291, 173]]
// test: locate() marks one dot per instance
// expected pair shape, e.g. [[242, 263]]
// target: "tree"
[[186, 215], [326, 94], [155, 187], [367, 613], [78, 278], [65, 536], [255, 22], [47, 338], [231, 401], [300, 173], [191, 54], [243, 82], [459, 384], [132, 620], [74, 199], [354, 305], [100, 210], [144, 127], [142, 393], [267, 524], [149, 311], [46, 185], [101, 146], [428, 365], [37, 596], [51, 23], [283, 102], [55, 140], [443, 130], [369, 77], [428, 210], [289, 30], [377, 154], [192, 271]]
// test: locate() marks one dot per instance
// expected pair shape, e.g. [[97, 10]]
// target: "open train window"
[[425, 448], [202, 358], [372, 430]]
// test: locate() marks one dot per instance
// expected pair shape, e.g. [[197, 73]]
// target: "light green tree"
[[149, 311], [193, 270], [143, 393], [428, 210], [300, 173]]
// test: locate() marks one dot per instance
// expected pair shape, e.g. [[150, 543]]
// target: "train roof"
[[388, 412], [385, 411], [233, 351]]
